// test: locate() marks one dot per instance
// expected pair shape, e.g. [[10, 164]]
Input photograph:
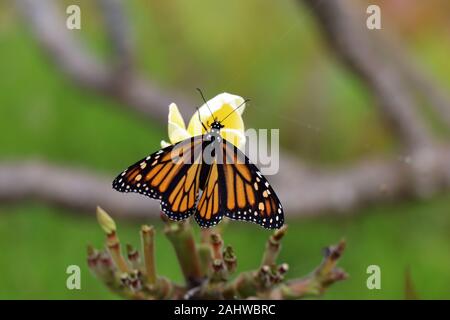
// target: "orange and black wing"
[[209, 211], [171, 175], [248, 195]]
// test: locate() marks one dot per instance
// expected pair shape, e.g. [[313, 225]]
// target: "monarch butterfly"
[[205, 176]]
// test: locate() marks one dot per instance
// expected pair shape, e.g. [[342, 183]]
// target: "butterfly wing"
[[209, 211], [248, 196], [234, 187], [175, 175], [171, 175]]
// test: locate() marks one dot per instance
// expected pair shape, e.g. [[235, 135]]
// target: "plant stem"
[[133, 257], [113, 245], [204, 252], [318, 281], [273, 247], [216, 245], [181, 237], [148, 248], [230, 259]]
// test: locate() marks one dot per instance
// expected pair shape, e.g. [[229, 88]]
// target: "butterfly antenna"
[[200, 119], [204, 100], [245, 101]]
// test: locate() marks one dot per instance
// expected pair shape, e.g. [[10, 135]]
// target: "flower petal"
[[177, 128], [225, 98], [164, 144], [221, 106], [236, 137]]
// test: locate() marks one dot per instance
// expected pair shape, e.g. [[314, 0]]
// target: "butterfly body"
[[205, 176]]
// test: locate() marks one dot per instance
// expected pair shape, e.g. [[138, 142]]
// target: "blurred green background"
[[278, 58]]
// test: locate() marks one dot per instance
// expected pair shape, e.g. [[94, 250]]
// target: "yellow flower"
[[221, 106]]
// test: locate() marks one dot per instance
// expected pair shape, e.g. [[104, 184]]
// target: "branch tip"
[[280, 233], [105, 221]]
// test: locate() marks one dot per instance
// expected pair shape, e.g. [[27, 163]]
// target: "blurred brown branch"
[[333, 192], [116, 80], [77, 189], [410, 291], [421, 170], [347, 34], [418, 78]]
